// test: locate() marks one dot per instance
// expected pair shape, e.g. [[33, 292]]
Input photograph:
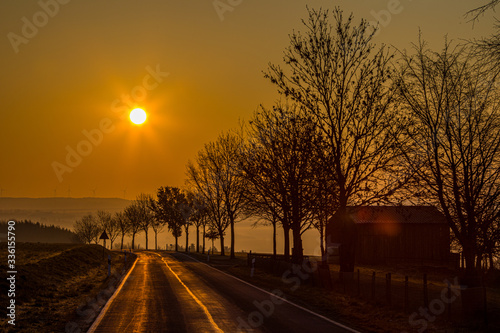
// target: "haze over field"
[[64, 212]]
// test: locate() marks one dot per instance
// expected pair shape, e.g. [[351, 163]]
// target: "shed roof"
[[397, 214]]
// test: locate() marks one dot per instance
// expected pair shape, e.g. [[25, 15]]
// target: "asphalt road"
[[175, 293]]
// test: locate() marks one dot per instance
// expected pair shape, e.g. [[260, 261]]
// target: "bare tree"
[[198, 215], [186, 209], [342, 79], [265, 209], [109, 224], [212, 234], [453, 143], [278, 163], [143, 202], [122, 225], [168, 202], [87, 229], [217, 177], [133, 214], [157, 222]]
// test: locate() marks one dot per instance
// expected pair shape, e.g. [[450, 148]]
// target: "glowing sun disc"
[[138, 116]]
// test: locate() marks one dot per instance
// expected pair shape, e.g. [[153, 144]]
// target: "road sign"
[[104, 235]]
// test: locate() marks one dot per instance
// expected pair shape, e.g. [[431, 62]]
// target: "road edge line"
[[276, 296], [97, 321]]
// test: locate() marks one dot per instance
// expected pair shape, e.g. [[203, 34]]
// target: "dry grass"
[[53, 280]]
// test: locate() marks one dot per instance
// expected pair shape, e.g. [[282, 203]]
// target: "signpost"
[[104, 236]]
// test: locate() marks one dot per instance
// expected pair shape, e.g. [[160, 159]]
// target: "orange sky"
[[69, 75]]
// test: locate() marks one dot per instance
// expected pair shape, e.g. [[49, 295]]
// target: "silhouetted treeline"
[[28, 231]]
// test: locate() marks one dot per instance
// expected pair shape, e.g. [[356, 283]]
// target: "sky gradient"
[[69, 83]]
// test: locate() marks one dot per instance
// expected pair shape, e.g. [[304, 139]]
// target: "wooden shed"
[[392, 234]]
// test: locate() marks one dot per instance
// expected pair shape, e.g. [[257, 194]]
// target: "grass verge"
[[59, 287]]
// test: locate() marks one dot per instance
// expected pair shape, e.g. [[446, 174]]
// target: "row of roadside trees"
[[361, 124], [172, 208]]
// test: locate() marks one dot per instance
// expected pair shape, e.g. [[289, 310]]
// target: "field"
[[59, 287]]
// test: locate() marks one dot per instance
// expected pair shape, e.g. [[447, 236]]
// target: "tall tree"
[[168, 202], [278, 163], [108, 223], [342, 79], [122, 225], [217, 177], [87, 229], [186, 209], [146, 216], [198, 215], [157, 222], [453, 143], [133, 214]]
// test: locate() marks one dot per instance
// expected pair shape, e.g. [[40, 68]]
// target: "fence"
[[431, 293]]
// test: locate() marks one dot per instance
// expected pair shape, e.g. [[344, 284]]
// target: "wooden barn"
[[392, 234]]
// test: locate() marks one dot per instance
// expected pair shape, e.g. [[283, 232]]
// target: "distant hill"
[[31, 232], [57, 211]]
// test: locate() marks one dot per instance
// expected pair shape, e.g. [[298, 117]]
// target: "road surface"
[[175, 293]]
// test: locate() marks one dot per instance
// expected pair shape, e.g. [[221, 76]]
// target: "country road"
[[176, 293]]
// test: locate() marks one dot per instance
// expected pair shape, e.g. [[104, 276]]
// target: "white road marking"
[[200, 303], [110, 300], [276, 296]]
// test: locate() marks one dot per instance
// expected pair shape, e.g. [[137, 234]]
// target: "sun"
[[138, 116]]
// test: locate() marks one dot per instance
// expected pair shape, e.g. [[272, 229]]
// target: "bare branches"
[[479, 11], [337, 74], [217, 177], [454, 142]]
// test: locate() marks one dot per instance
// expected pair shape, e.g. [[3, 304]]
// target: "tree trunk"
[[471, 278], [187, 238], [133, 241], [490, 256], [222, 253], [286, 250], [156, 240], [123, 235], [298, 252], [203, 250], [232, 239], [198, 239], [274, 238], [322, 244], [146, 232], [176, 244]]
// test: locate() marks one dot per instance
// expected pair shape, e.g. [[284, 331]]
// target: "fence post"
[[407, 301], [426, 295], [373, 286], [388, 288]]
